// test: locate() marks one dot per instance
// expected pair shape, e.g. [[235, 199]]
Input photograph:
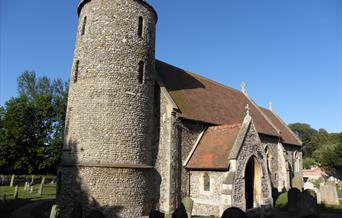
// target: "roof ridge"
[[264, 115], [198, 75], [286, 126]]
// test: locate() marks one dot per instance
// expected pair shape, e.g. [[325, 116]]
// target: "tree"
[[32, 125], [308, 135]]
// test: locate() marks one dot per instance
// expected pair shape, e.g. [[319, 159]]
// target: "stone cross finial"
[[270, 105], [244, 87], [247, 109]]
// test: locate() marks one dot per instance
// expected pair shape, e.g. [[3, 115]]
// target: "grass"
[[24, 198]]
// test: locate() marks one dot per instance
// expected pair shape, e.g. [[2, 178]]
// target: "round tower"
[[106, 160]]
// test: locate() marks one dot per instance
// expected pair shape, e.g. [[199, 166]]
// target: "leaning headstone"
[[54, 211], [2, 179], [307, 205], [329, 194], [188, 204], [32, 180], [12, 181], [292, 199], [31, 189], [180, 212], [26, 187], [156, 214], [40, 190], [233, 212], [15, 195]]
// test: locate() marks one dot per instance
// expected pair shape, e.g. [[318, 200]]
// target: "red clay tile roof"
[[213, 149], [287, 135], [199, 98]]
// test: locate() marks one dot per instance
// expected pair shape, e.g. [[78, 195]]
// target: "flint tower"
[[106, 161]]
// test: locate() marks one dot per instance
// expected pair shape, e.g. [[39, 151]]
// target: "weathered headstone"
[[54, 211], [26, 187], [31, 189], [309, 185], [180, 212], [32, 180], [297, 182], [188, 204], [233, 212], [307, 205], [293, 196], [2, 179], [15, 195], [12, 181], [40, 190], [329, 194]]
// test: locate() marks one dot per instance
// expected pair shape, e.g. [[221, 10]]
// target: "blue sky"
[[288, 51]]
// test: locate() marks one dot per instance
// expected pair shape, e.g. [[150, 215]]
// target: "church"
[[142, 134]]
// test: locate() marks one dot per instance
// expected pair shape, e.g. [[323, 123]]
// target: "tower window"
[[76, 71], [84, 25], [141, 27], [206, 182], [141, 72]]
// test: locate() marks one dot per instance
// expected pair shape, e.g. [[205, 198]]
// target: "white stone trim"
[[194, 147]]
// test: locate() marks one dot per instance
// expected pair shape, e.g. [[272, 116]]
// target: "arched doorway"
[[253, 176]]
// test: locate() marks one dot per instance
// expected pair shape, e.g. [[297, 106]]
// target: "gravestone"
[[40, 190], [293, 196], [12, 181], [32, 180], [309, 185], [54, 211], [297, 182], [2, 179], [15, 195], [188, 204], [233, 212], [180, 212], [31, 189], [307, 204], [329, 194]]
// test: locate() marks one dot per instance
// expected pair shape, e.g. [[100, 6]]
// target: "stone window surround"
[[201, 178]]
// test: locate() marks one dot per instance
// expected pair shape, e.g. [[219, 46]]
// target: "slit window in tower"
[[206, 182], [84, 25], [76, 71], [141, 72], [141, 27]]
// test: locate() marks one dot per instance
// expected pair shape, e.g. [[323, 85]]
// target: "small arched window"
[[141, 72], [84, 25], [140, 27], [206, 182], [76, 71]]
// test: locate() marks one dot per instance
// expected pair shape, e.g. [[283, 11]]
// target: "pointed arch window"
[[141, 72], [140, 27]]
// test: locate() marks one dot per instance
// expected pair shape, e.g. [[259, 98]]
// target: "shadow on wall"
[[75, 200], [175, 78]]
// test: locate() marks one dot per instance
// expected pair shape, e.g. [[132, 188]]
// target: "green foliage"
[[31, 126], [282, 200], [320, 148]]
